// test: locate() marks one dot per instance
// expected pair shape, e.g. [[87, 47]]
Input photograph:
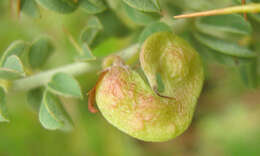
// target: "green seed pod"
[[135, 107]]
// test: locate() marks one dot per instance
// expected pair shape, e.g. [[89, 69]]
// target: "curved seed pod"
[[134, 107]]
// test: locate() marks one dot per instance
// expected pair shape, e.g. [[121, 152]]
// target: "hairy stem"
[[77, 68]]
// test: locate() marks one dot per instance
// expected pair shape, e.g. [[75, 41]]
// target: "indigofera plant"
[[139, 109], [148, 90]]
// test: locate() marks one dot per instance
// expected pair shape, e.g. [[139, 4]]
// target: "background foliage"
[[228, 112]]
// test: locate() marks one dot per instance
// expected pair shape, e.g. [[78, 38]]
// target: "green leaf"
[[212, 55], [144, 5], [91, 30], [93, 22], [52, 115], [88, 35], [3, 109], [30, 8], [64, 85], [87, 54], [225, 47], [40, 51], [34, 98], [59, 6], [9, 74], [16, 48], [248, 72], [12, 68], [93, 6], [140, 17], [225, 26], [153, 28], [13, 62]]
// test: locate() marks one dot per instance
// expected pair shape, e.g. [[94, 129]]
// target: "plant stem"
[[74, 69], [249, 8]]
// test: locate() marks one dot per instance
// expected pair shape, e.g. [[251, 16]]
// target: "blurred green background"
[[226, 121]]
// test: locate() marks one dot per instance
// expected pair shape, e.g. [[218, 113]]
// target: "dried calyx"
[[136, 107]]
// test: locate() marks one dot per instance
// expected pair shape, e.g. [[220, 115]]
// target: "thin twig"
[[77, 68], [244, 3], [249, 8], [18, 8]]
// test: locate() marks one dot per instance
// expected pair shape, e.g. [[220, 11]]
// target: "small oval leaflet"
[[34, 98], [139, 17], [3, 110], [248, 72], [16, 48], [225, 26], [59, 6], [30, 8], [90, 32], [64, 85], [52, 115], [144, 5], [93, 6], [40, 51], [225, 47], [12, 68]]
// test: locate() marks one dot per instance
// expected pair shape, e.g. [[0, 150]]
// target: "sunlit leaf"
[[144, 5], [140, 17], [13, 62], [40, 51], [52, 115], [60, 6], [225, 26], [16, 48], [9, 74], [3, 109], [30, 8], [153, 28], [93, 6], [64, 85], [12, 68], [225, 47]]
